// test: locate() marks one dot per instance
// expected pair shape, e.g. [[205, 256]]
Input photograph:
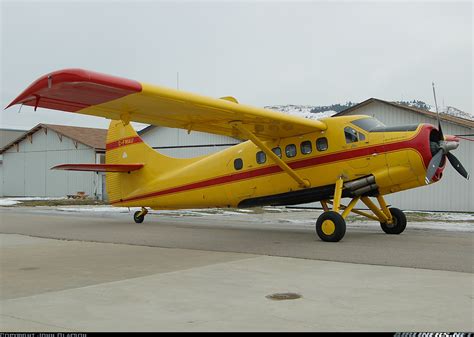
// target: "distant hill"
[[322, 111]]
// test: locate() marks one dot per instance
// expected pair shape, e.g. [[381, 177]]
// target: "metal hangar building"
[[25, 168]]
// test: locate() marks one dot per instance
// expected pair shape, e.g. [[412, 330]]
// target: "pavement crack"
[[38, 322]]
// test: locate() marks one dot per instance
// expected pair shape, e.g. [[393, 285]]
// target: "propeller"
[[441, 149], [463, 137], [457, 165]]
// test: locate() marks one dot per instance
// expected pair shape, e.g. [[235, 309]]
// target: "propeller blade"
[[467, 135], [433, 166], [440, 130], [457, 165]]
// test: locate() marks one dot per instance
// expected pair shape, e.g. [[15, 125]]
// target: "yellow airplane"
[[286, 160]]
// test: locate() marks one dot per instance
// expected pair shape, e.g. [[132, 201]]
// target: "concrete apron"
[[54, 285]]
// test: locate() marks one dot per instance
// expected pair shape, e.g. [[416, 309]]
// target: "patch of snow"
[[8, 202], [452, 111], [301, 111], [17, 200], [445, 216], [94, 209]]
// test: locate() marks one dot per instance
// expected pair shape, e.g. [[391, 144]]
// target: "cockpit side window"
[[353, 135]]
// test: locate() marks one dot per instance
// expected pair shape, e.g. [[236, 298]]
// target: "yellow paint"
[[178, 109], [384, 207], [273, 156], [212, 180], [337, 195], [328, 227], [350, 207], [162, 178], [381, 216]]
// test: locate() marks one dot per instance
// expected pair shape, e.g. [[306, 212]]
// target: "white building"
[[25, 169], [452, 192], [7, 135]]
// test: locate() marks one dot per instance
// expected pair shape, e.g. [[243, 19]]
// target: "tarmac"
[[63, 271]]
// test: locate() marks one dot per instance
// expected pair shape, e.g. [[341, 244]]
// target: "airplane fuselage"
[[394, 159]]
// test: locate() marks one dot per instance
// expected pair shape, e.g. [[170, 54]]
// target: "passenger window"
[[238, 164], [290, 150], [322, 144], [361, 136], [351, 135], [261, 157], [277, 151], [306, 147]]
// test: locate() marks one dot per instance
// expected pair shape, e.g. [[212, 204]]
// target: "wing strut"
[[248, 134]]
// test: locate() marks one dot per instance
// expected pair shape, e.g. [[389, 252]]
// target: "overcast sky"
[[262, 53]]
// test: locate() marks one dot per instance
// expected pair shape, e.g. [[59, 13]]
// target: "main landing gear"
[[139, 216], [331, 226]]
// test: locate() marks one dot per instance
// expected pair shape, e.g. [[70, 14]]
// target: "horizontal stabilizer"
[[99, 167]]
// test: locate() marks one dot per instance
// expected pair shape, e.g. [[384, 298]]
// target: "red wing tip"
[[11, 104], [41, 87]]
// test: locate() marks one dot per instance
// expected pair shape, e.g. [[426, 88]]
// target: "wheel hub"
[[328, 227]]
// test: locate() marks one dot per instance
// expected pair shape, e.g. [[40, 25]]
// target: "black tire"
[[137, 218], [399, 222], [334, 229]]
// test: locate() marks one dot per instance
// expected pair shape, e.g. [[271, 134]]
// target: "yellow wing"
[[96, 94]]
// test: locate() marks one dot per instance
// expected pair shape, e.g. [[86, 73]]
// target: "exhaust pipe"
[[357, 184], [365, 189]]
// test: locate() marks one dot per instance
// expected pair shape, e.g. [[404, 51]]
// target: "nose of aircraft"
[[441, 147]]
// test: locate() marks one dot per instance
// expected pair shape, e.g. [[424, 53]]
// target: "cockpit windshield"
[[371, 124], [368, 124]]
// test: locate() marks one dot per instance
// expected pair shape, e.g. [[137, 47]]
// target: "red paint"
[[99, 167], [123, 142], [420, 143], [75, 89]]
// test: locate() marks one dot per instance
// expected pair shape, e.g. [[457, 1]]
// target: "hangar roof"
[[7, 135], [444, 117], [95, 138]]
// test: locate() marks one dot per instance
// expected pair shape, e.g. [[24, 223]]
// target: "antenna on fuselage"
[[437, 112]]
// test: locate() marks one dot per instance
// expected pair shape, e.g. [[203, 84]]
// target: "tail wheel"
[[137, 217], [331, 226], [398, 224]]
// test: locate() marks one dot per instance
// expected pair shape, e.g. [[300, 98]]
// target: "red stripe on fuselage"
[[123, 142], [419, 143]]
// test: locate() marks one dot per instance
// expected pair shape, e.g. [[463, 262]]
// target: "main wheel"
[[331, 226], [138, 218], [399, 222]]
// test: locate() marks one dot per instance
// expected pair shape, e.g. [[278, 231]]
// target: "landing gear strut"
[[399, 222], [331, 226], [139, 216]]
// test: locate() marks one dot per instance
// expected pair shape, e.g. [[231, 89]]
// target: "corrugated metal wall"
[[179, 144], [26, 172], [452, 192], [1, 176]]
